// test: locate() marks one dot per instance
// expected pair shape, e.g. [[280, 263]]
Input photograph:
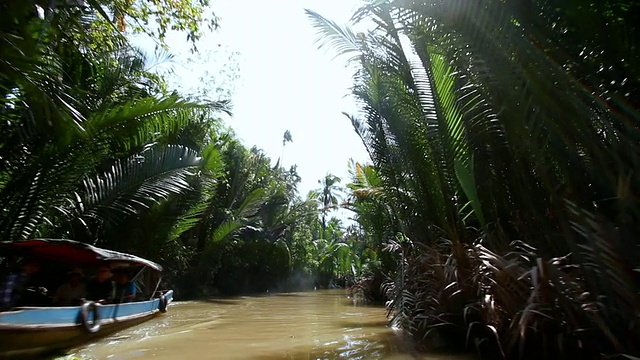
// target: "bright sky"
[[285, 82]]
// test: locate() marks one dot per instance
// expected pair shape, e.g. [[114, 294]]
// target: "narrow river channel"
[[306, 325]]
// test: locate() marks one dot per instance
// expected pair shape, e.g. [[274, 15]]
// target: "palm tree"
[[330, 250], [366, 199], [85, 143], [327, 197], [483, 131], [285, 139]]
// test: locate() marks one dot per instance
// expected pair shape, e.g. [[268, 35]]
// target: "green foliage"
[[503, 136], [97, 149], [91, 149], [286, 137], [156, 17], [89, 142], [327, 198]]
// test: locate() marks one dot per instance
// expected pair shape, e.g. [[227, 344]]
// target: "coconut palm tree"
[[327, 197], [286, 138]]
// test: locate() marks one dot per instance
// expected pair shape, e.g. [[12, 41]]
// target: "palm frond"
[[225, 229], [251, 203], [133, 184], [340, 39]]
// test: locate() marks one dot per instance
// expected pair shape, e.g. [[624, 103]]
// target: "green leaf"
[[464, 173]]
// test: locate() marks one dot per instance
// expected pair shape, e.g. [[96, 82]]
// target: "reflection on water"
[[310, 325]]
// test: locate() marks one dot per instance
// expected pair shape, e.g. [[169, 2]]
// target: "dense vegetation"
[[95, 147], [501, 200], [504, 139]]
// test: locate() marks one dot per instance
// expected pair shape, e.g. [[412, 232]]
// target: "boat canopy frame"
[[73, 252]]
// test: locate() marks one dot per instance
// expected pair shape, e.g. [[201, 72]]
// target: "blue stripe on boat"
[[69, 315]]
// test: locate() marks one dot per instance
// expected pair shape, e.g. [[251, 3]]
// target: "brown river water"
[[307, 325]]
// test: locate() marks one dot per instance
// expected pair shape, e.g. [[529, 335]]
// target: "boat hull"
[[35, 330]]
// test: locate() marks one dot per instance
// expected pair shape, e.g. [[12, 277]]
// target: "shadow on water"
[[290, 295], [358, 325], [234, 300], [230, 301], [313, 293]]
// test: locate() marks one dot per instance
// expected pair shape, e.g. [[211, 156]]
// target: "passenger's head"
[[103, 274], [120, 276], [30, 266], [75, 276]]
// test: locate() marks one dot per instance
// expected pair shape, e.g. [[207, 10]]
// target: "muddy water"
[[307, 325]]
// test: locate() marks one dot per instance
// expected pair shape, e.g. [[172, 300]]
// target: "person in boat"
[[71, 292], [14, 290], [125, 289], [100, 289]]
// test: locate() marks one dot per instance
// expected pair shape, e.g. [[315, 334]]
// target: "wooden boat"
[[32, 330]]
